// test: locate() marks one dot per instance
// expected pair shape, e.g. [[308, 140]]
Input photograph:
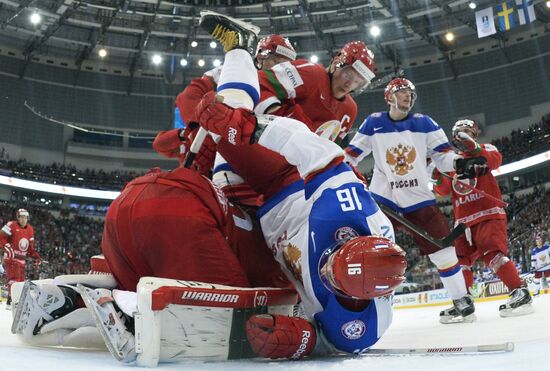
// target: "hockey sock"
[[238, 82], [450, 272], [504, 269]]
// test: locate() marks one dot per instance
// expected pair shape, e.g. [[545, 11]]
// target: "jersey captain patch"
[[401, 158]]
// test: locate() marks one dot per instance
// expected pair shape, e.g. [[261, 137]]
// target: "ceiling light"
[[314, 59], [102, 52], [548, 4], [472, 5], [449, 36], [213, 44], [35, 18], [194, 44], [375, 31], [157, 59], [217, 63], [183, 62], [201, 62]]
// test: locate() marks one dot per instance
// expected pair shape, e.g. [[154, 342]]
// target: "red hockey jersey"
[[471, 207], [308, 85], [21, 240]]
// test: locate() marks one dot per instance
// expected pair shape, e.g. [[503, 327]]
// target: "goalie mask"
[[363, 267], [468, 126], [396, 85]]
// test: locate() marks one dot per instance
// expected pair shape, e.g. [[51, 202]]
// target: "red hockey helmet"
[[399, 83], [275, 44], [364, 267], [466, 125], [357, 55]]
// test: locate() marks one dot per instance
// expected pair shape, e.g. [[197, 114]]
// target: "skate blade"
[[516, 312], [446, 320], [91, 305], [245, 25], [21, 307]]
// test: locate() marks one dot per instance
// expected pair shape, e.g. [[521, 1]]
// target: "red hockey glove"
[[277, 336], [236, 126], [9, 251], [466, 143], [437, 178], [204, 160], [472, 167]]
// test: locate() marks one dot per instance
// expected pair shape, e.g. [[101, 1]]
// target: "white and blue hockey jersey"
[[540, 258], [400, 150]]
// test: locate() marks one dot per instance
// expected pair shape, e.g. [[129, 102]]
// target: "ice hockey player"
[[400, 142], [271, 50], [17, 241], [540, 263], [486, 237], [313, 228]]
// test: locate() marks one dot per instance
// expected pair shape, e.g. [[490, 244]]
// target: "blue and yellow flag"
[[507, 16]]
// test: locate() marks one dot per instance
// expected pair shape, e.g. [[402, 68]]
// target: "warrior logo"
[[353, 330], [292, 255], [401, 158]]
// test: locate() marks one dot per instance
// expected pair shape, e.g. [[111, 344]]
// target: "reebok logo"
[[306, 335], [231, 135]]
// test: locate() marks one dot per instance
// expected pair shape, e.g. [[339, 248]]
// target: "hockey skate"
[[519, 304], [462, 311], [109, 322], [230, 32], [38, 304]]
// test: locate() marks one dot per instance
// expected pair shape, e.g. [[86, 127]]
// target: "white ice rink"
[[411, 328]]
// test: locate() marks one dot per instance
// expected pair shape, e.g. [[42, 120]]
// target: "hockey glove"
[[9, 253], [470, 168], [436, 178], [204, 160], [277, 336], [465, 143], [236, 126]]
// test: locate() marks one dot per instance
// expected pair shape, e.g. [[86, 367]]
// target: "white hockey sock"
[[450, 272], [299, 145], [238, 82]]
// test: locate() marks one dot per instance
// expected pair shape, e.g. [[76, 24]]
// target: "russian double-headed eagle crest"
[[401, 157], [292, 255]]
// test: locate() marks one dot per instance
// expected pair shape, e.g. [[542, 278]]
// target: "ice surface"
[[411, 328]]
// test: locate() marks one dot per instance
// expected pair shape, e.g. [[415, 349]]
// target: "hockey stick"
[[503, 347], [441, 242], [471, 188], [195, 147]]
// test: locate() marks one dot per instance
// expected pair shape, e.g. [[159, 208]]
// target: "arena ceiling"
[[131, 31]]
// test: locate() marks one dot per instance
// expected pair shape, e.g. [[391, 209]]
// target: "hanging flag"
[[506, 16], [526, 11], [485, 23]]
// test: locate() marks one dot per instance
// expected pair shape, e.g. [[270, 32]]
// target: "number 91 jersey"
[[300, 224]]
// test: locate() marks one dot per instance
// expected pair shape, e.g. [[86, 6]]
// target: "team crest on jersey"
[[345, 233], [460, 188], [291, 256], [329, 130], [401, 158], [353, 330], [23, 244]]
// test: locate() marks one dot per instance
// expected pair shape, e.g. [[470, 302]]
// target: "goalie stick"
[[441, 242], [473, 349]]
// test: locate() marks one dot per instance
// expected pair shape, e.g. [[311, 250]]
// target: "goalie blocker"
[[184, 320]]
